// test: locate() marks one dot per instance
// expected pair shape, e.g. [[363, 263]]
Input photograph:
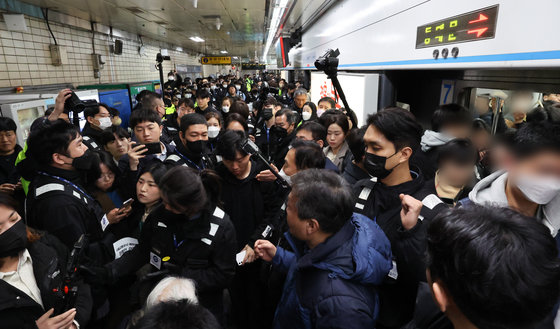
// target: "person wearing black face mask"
[[281, 135], [58, 201], [192, 151], [391, 196], [265, 121], [29, 263]]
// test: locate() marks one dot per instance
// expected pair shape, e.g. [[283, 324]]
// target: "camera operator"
[[57, 200], [29, 263], [252, 206]]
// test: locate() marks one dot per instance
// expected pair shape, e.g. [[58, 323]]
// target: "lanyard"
[[68, 182], [177, 245], [267, 134], [189, 160]]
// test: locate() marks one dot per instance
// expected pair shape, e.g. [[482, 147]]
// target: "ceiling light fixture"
[[277, 14], [195, 3], [235, 57], [223, 51], [197, 39]]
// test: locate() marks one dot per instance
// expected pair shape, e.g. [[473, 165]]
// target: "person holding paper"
[[186, 235]]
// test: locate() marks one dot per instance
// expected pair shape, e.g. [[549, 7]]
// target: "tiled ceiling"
[[242, 31]]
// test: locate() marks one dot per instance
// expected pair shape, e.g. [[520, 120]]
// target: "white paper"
[[240, 257], [123, 245]]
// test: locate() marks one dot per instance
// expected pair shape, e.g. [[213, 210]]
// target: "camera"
[[160, 58], [67, 292], [328, 62], [76, 105]]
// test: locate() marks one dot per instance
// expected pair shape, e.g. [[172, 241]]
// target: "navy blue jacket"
[[333, 285]]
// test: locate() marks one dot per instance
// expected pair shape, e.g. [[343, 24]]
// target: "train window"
[[513, 104]]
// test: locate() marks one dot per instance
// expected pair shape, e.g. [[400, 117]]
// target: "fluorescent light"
[[179, 49], [235, 57], [223, 51], [197, 39], [277, 14]]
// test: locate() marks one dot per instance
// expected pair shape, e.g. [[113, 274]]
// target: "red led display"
[[473, 26]]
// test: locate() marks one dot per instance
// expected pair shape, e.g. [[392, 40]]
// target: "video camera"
[[160, 58], [76, 106], [328, 62], [67, 292]]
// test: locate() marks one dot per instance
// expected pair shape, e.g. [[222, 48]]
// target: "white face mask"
[[213, 131], [212, 87], [171, 78], [238, 87], [285, 176], [224, 85], [225, 109], [105, 123], [320, 112], [188, 95], [540, 190], [306, 116]]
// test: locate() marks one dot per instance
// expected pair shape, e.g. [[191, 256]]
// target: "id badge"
[[155, 260]]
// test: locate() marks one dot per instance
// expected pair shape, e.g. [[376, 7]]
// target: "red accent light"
[[282, 50], [66, 290], [481, 18], [478, 32]]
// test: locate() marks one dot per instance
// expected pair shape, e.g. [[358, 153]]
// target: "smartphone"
[[153, 148], [125, 205]]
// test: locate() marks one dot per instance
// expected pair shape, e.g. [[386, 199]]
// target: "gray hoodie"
[[492, 191], [431, 139]]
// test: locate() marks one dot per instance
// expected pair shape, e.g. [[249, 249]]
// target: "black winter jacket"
[[18, 310], [68, 213], [201, 249], [251, 204], [380, 202]]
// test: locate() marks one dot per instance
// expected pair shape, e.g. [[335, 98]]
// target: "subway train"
[[390, 164]]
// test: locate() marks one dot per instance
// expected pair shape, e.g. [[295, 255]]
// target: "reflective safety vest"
[[91, 144], [170, 110], [21, 156]]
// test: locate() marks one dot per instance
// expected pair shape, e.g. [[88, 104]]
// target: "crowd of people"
[[177, 221]]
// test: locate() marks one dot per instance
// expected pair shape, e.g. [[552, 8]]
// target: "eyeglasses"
[[107, 176]]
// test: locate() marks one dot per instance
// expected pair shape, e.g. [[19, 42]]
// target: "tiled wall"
[[25, 58]]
